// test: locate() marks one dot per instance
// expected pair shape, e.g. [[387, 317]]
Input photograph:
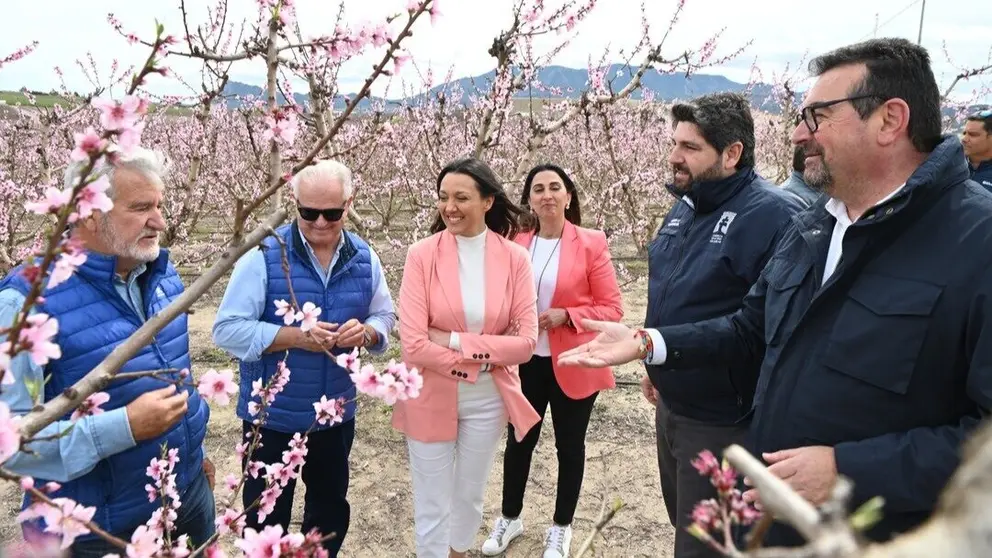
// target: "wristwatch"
[[367, 338]]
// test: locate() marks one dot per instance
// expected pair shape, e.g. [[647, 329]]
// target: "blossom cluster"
[[728, 508], [395, 383]]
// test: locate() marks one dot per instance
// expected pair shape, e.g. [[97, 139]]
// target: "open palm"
[[615, 344]]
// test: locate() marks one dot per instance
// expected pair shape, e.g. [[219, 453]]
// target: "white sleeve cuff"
[[660, 353], [454, 341]]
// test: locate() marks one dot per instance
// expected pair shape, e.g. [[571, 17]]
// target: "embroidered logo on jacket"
[[720, 230]]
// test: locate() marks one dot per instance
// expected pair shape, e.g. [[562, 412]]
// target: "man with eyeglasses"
[[872, 321], [977, 141], [340, 273]]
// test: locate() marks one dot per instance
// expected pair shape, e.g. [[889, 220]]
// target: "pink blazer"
[[430, 296], [586, 288]]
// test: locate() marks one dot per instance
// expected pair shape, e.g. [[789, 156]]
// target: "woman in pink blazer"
[[574, 280], [468, 317]]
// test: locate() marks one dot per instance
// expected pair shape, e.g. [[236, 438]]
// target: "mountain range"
[[566, 82]]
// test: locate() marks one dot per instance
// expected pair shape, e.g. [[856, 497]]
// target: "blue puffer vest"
[[93, 320], [347, 295]]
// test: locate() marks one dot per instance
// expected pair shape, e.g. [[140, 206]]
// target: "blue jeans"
[[195, 518]]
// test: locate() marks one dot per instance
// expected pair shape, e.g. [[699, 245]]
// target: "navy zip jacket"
[[982, 174], [708, 252], [890, 361]]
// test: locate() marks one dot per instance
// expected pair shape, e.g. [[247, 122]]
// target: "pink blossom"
[[264, 544], [706, 514], [217, 386], [10, 435], [53, 201], [400, 58], [706, 462], [389, 389], [231, 481], [69, 261], [280, 473], [309, 316], [91, 406], [36, 339], [281, 125], [93, 197], [349, 361], [329, 412], [285, 310], [63, 517], [129, 139], [145, 543], [366, 380], [230, 521], [267, 501], [435, 12], [214, 551], [413, 5], [87, 144], [27, 483], [120, 116], [254, 467]]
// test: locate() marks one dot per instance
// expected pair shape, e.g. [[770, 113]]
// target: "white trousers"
[[449, 478]]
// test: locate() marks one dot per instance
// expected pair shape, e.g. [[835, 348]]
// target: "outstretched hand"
[[615, 344]]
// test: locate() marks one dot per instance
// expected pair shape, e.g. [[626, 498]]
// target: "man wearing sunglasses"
[[977, 141], [339, 272], [872, 322]]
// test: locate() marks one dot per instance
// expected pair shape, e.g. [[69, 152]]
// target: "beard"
[[817, 176], [130, 250], [685, 184]]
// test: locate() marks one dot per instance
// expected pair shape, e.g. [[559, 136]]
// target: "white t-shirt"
[[545, 253]]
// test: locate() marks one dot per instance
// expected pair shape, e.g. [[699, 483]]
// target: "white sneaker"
[[503, 533], [558, 541]]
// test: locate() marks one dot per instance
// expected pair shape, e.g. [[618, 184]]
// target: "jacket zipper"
[[678, 264]]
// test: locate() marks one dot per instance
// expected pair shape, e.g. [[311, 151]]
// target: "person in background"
[[977, 141], [795, 182], [710, 249], [575, 279], [101, 460], [341, 274], [873, 332], [468, 319]]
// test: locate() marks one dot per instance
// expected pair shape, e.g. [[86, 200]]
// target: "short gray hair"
[[323, 171], [151, 164]]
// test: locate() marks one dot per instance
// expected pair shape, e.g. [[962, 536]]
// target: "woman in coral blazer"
[[575, 280], [468, 317]]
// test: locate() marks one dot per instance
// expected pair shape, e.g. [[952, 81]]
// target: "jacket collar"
[[102, 268], [708, 196], [985, 165], [945, 167]]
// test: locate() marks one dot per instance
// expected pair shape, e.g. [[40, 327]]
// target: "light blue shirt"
[[238, 328], [92, 438]]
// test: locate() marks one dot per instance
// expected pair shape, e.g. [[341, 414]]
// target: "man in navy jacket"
[[708, 252], [873, 319], [977, 141]]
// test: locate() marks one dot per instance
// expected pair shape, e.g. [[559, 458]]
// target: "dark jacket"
[[798, 186], [890, 361], [982, 174], [708, 252]]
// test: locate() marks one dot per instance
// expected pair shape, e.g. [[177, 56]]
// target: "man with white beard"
[[126, 279]]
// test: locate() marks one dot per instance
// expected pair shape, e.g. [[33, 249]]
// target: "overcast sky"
[[781, 32]]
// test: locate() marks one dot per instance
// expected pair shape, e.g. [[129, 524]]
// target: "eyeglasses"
[[984, 113], [809, 117], [311, 214]]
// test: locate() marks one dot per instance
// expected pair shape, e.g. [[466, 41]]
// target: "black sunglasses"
[[809, 117], [311, 214]]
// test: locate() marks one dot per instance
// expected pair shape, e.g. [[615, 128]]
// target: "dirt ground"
[[620, 463]]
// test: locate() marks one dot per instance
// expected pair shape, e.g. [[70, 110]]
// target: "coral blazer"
[[430, 296], [586, 288]]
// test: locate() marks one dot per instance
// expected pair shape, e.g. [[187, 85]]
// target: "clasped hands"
[[324, 336]]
